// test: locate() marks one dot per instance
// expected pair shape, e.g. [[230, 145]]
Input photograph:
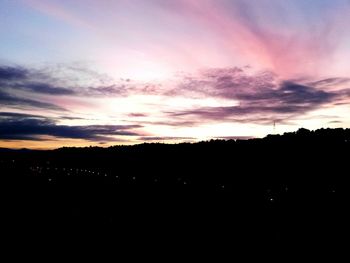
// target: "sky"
[[115, 72]]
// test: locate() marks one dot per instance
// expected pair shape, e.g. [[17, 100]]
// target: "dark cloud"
[[259, 114], [137, 115], [65, 80], [226, 83], [15, 126], [236, 84], [288, 93], [261, 98], [43, 88], [22, 103], [19, 78], [15, 79], [335, 122], [17, 115], [51, 82], [329, 82], [12, 73]]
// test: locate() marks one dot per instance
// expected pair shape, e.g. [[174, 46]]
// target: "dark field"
[[278, 191]]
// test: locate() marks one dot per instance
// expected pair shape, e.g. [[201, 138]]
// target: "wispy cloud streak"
[[16, 126]]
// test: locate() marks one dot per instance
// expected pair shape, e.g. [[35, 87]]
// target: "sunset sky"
[[110, 72]]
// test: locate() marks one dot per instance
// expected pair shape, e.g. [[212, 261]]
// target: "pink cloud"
[[190, 34], [286, 50]]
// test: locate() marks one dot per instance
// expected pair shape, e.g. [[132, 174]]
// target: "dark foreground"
[[280, 191]]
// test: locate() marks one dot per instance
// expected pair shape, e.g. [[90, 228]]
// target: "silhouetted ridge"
[[290, 188]]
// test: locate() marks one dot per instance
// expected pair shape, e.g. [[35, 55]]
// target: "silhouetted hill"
[[283, 189]]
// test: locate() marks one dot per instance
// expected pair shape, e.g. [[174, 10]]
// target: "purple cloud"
[[16, 126], [14, 101], [261, 97]]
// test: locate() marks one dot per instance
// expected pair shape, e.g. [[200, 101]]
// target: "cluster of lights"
[[270, 196]]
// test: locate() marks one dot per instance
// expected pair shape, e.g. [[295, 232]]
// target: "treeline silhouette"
[[279, 189]]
